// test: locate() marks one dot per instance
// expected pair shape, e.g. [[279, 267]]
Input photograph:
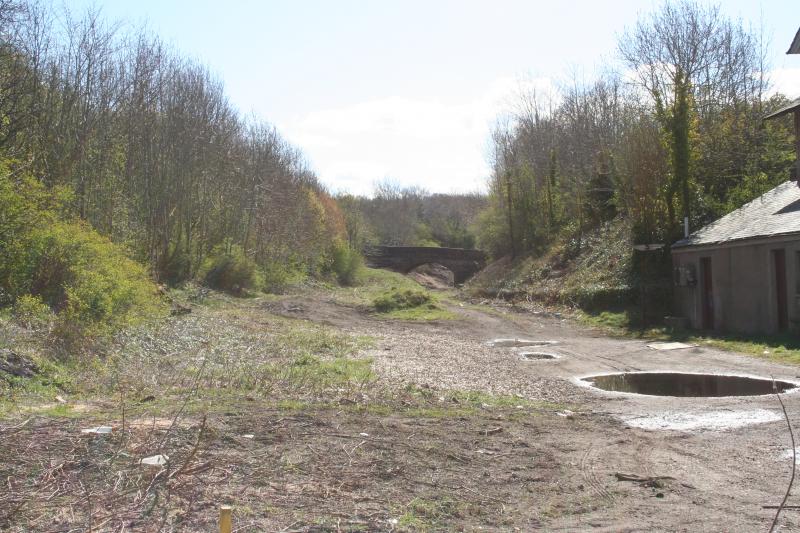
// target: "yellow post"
[[225, 522]]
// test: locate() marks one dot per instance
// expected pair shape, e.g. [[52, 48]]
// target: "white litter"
[[248, 436], [364, 434], [155, 460], [669, 346], [99, 430]]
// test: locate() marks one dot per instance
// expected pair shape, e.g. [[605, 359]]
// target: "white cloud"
[[435, 143], [786, 81]]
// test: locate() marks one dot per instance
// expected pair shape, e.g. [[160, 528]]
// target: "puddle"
[[518, 343], [687, 384], [538, 356], [713, 420]]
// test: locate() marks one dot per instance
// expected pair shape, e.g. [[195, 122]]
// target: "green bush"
[[175, 266], [89, 280], [277, 276], [347, 264], [401, 299], [229, 269], [31, 311], [90, 283]]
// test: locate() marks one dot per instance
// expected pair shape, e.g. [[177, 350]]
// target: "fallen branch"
[[645, 480], [188, 460], [779, 507]]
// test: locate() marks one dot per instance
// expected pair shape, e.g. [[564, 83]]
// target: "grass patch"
[[430, 312], [393, 296], [410, 304], [318, 340], [784, 348], [397, 299], [424, 514]]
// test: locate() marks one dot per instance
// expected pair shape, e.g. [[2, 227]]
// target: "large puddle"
[[687, 385]]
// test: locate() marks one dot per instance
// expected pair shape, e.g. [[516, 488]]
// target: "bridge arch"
[[463, 263]]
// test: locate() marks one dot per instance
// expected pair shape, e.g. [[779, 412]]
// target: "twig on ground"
[[794, 459], [188, 460]]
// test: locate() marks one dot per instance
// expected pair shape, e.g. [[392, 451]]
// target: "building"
[[742, 272]]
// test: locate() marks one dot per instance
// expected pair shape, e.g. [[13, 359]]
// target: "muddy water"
[[687, 385], [537, 356], [518, 343]]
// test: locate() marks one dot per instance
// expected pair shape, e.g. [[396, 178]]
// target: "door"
[[707, 295], [781, 296]]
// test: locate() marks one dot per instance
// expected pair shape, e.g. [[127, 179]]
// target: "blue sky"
[[409, 89]]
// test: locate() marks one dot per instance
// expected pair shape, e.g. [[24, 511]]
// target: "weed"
[[397, 299]]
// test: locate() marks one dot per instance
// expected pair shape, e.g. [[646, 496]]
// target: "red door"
[[781, 297], [707, 296]]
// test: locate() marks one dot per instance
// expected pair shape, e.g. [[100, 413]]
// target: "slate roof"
[[772, 214], [794, 48], [794, 105]]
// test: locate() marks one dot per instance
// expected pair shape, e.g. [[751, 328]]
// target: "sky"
[[409, 90]]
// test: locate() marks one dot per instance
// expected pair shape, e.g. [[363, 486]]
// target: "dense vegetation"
[[113, 146], [410, 216], [120, 159], [676, 132]]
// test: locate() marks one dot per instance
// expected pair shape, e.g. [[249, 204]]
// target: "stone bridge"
[[462, 263]]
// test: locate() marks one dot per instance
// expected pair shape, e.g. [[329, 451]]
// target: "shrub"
[[175, 266], [229, 269], [401, 299], [31, 311], [347, 264], [90, 283], [278, 276], [89, 280]]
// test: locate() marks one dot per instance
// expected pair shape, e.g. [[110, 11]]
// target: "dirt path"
[[455, 435], [723, 458]]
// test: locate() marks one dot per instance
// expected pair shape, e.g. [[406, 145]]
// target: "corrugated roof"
[[788, 108], [795, 47], [774, 213]]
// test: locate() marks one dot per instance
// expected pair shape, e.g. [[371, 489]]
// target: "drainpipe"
[[796, 168]]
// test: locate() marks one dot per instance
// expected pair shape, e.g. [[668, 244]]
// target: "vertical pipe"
[[685, 227], [225, 521], [797, 144]]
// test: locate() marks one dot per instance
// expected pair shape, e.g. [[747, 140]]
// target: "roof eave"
[[789, 108], [795, 47], [734, 242]]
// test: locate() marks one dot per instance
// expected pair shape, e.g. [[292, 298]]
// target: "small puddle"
[[518, 343], [537, 356], [687, 384]]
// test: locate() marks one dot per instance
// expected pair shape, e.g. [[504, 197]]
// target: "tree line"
[[674, 133], [410, 216], [157, 157]]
